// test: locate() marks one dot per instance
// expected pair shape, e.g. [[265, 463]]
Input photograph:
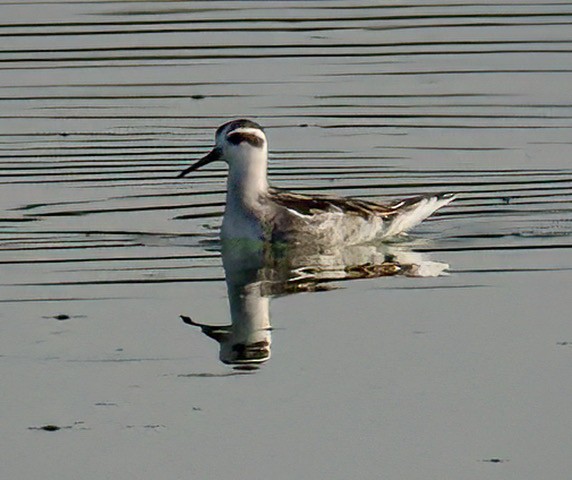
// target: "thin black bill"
[[212, 156]]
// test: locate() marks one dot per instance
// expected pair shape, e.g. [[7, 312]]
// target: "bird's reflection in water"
[[255, 272]]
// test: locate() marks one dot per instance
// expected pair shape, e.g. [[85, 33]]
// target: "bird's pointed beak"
[[214, 155]]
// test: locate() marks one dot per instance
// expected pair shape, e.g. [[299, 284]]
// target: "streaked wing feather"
[[315, 204]]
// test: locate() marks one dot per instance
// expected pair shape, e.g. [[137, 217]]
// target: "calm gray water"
[[102, 249]]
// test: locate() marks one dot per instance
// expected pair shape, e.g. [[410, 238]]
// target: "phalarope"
[[256, 211]]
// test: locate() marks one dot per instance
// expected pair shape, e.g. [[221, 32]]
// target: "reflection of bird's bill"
[[214, 155]]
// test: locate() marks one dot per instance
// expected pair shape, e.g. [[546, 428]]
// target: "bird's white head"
[[241, 144]]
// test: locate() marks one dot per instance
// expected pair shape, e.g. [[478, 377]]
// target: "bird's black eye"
[[236, 138]]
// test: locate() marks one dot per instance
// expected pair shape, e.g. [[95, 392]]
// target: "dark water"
[[461, 376]]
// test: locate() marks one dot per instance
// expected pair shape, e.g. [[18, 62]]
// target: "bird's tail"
[[412, 211]]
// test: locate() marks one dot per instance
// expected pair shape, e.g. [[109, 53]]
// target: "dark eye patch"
[[237, 138]]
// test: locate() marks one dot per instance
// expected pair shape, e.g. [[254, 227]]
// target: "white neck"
[[247, 177], [246, 187]]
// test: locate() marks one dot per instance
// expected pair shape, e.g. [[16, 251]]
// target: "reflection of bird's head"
[[243, 353]]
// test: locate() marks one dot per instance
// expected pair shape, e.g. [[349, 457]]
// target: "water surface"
[[102, 249]]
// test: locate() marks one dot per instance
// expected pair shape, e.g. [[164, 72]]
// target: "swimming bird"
[[256, 211]]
